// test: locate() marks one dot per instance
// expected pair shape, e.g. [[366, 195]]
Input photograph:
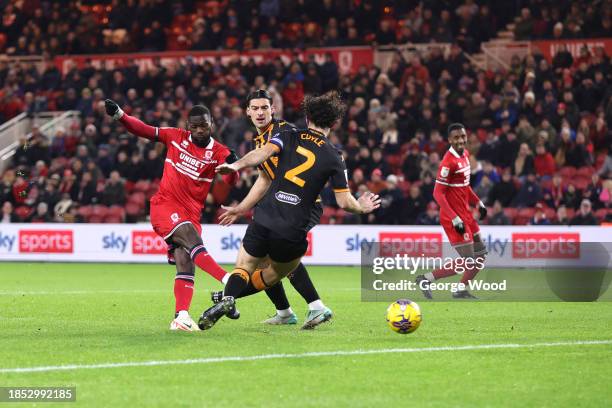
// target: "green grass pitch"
[[87, 314]]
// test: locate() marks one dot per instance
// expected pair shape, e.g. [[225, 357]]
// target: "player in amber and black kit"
[[306, 162], [454, 196], [260, 110], [191, 158]]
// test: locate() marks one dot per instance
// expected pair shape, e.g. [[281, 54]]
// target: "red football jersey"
[[189, 169], [454, 172]]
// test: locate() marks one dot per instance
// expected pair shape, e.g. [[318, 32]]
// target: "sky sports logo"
[[417, 244], [115, 242], [148, 243], [546, 245], [46, 241], [7, 242]]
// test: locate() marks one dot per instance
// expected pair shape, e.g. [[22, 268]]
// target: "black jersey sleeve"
[[339, 177], [281, 139]]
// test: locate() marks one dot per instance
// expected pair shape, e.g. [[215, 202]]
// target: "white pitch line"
[[338, 353]]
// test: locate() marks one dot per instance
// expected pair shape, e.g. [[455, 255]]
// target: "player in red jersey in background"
[[189, 170], [454, 196]]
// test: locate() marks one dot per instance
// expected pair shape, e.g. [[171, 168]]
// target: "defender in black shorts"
[[260, 110], [306, 162]]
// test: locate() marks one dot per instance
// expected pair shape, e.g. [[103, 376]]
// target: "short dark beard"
[[201, 144]]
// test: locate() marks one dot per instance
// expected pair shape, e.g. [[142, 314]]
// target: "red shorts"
[[166, 217], [471, 228]]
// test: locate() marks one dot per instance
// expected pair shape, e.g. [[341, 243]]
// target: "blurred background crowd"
[[539, 131]]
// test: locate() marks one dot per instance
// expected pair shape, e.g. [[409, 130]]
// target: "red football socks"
[[183, 291], [204, 261]]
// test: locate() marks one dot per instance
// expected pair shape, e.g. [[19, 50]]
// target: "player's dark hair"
[[259, 94], [454, 126], [199, 110], [324, 110]]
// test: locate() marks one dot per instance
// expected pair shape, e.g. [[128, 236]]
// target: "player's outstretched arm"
[[133, 125], [367, 203], [256, 193], [251, 159]]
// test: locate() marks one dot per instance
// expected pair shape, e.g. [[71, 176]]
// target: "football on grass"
[[404, 316]]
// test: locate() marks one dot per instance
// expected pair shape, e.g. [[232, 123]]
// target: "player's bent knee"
[[243, 273], [186, 236], [258, 280]]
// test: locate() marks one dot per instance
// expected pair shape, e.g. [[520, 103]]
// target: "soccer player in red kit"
[[189, 170], [454, 195]]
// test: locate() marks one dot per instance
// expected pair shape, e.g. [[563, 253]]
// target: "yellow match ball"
[[404, 316]]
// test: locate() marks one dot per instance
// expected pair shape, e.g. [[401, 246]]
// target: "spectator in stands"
[[585, 215], [42, 213], [135, 168], [487, 170], [605, 197], [562, 218], [498, 217], [504, 191], [7, 213], [391, 203], [553, 195], [153, 166], [489, 150], [484, 187], [430, 216], [578, 155], [85, 191], [606, 169], [571, 197], [378, 162], [413, 206], [523, 29], [544, 163], [114, 190], [592, 192], [524, 163], [539, 217], [377, 184], [529, 193]]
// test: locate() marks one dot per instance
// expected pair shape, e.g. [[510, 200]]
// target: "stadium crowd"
[[93, 27], [539, 134]]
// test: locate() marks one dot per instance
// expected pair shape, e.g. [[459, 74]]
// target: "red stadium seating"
[[567, 172]]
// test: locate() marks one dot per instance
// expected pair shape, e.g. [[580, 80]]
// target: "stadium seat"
[[567, 171], [112, 219], [99, 210], [137, 198], [117, 211], [586, 171], [95, 219], [527, 212], [129, 186], [511, 213], [551, 214], [518, 220], [86, 211], [23, 212], [133, 210], [581, 182], [142, 185], [570, 213], [601, 214]]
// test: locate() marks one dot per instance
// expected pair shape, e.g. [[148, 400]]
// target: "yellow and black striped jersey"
[[276, 126]]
